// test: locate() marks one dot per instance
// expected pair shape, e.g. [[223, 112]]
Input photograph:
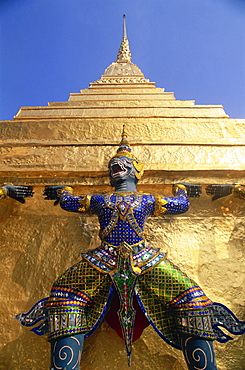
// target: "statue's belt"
[[142, 258]]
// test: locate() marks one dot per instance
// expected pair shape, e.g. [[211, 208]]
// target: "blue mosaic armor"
[[122, 216]]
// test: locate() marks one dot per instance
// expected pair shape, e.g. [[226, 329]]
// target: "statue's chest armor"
[[123, 208], [122, 217]]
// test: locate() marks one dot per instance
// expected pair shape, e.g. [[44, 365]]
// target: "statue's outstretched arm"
[[219, 191], [63, 195], [17, 192], [180, 202]]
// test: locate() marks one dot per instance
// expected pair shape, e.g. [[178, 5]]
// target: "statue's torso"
[[122, 217]]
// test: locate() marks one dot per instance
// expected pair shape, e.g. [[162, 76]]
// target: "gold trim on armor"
[[69, 189], [179, 186], [159, 206], [135, 265], [117, 246], [150, 259], [103, 233], [157, 263], [85, 203], [238, 191], [134, 224], [124, 153], [125, 251], [3, 193], [94, 266]]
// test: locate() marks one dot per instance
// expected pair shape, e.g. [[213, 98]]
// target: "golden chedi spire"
[[123, 71], [124, 54]]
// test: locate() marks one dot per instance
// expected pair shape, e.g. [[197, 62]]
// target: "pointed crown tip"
[[124, 133], [124, 145]]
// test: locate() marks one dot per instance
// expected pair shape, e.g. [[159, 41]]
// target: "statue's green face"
[[121, 169]]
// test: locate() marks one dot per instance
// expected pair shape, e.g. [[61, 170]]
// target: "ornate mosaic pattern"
[[221, 316], [37, 313], [170, 205], [105, 258], [171, 301], [167, 295], [77, 300], [124, 279], [122, 216]]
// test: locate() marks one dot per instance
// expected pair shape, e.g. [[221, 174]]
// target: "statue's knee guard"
[[66, 352], [198, 352]]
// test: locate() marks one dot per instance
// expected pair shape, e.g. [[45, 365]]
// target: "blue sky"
[[50, 48]]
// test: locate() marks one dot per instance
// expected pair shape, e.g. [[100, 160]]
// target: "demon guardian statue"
[[126, 281]]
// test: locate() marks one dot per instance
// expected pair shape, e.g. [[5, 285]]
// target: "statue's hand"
[[193, 191], [219, 191], [53, 193], [19, 192]]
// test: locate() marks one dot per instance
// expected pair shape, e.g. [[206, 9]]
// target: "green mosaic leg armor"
[[77, 301], [174, 303]]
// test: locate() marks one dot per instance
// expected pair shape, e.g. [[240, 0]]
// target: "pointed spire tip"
[[124, 27], [124, 54]]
